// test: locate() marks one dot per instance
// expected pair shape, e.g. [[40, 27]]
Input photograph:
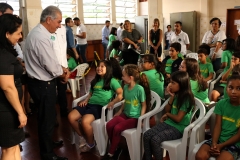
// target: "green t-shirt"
[[206, 69], [111, 38], [230, 119], [168, 67], [186, 119], [156, 82], [133, 100], [71, 63], [103, 97], [208, 59], [202, 95], [180, 55], [113, 53], [226, 57]]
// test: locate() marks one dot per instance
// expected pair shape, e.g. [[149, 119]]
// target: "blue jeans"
[[104, 49], [81, 49]]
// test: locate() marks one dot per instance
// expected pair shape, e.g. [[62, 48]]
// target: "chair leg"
[[72, 83], [84, 83]]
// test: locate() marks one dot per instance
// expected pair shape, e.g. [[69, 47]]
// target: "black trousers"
[[43, 94], [61, 96]]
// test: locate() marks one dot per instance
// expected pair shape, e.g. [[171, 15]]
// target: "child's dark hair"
[[116, 44], [202, 50], [236, 54], [194, 73], [117, 71], [233, 77], [185, 93], [205, 46], [113, 31], [159, 66], [236, 70], [141, 79], [230, 44], [176, 46], [107, 77]]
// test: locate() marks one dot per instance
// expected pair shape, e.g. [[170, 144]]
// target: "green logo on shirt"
[[53, 38]]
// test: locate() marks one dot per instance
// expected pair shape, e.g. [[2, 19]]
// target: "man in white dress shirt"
[[119, 31], [180, 37], [43, 68]]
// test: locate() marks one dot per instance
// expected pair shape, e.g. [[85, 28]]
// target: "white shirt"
[[119, 32], [210, 38], [60, 46], [239, 31], [181, 38], [19, 51], [168, 35], [39, 56], [81, 28]]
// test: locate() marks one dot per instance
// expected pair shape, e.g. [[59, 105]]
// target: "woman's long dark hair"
[[230, 44], [159, 66], [9, 24], [141, 79], [185, 93], [194, 73], [106, 78]]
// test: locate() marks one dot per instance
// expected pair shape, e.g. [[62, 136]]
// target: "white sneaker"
[[82, 141], [86, 148]]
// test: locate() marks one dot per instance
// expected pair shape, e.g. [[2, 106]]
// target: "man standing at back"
[[105, 35], [5, 9], [43, 68], [81, 39], [119, 31], [180, 37]]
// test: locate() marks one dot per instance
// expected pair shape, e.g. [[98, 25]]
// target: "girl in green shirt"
[[177, 117], [137, 97], [228, 46], [225, 142], [155, 73], [111, 38], [198, 84], [103, 87]]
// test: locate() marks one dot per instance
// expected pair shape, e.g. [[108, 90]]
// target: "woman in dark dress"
[[155, 38], [12, 117]]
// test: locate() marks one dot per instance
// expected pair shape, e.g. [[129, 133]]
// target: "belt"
[[41, 81]]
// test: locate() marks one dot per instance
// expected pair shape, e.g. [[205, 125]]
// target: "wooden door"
[[231, 28]]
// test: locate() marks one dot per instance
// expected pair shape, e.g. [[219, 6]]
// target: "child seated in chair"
[[103, 87], [71, 65], [206, 68], [225, 142]]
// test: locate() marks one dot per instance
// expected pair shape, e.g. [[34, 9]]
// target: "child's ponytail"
[[143, 81]]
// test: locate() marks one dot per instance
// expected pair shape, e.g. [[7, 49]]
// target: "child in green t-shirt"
[[116, 47], [137, 97], [206, 68], [228, 46], [225, 141], [219, 87], [103, 87], [173, 61], [71, 62], [177, 117], [198, 84], [155, 72], [207, 48], [111, 38]]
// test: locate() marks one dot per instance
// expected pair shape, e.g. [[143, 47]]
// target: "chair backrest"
[[187, 131], [198, 132], [81, 69], [192, 55]]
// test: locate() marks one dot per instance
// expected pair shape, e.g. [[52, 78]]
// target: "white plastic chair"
[[75, 83], [211, 86], [133, 136], [198, 134], [99, 129], [192, 55], [214, 76], [177, 148]]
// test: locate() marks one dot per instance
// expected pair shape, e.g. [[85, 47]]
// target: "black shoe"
[[107, 157], [117, 154], [57, 143], [20, 147], [55, 158]]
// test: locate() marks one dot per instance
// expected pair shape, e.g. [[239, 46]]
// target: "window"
[[68, 7], [96, 11], [125, 9], [14, 4]]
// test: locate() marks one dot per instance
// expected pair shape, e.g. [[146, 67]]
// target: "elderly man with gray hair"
[[43, 68]]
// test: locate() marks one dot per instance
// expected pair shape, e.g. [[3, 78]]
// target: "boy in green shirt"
[[206, 68], [71, 62]]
